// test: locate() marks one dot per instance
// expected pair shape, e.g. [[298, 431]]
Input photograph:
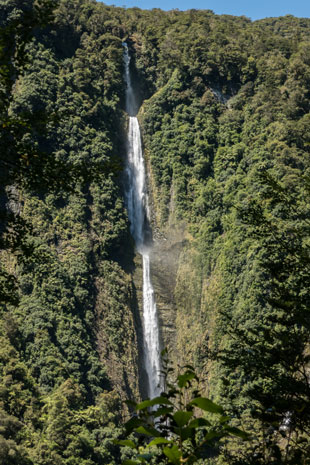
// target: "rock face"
[[138, 312], [168, 244], [165, 260], [13, 204], [164, 267]]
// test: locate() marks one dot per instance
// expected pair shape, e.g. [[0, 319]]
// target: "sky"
[[254, 9]]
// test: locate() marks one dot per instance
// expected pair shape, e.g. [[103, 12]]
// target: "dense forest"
[[225, 119]]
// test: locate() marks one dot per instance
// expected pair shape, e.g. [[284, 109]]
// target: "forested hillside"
[[225, 116]]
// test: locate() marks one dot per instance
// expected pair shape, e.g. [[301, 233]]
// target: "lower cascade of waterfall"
[[137, 206], [151, 333]]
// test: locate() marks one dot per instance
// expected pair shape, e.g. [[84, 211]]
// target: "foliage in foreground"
[[180, 426]]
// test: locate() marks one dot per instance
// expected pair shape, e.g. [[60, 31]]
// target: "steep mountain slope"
[[226, 137], [225, 120], [69, 346]]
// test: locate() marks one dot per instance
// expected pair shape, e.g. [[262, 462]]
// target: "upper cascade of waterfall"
[[131, 103], [137, 198], [136, 192]]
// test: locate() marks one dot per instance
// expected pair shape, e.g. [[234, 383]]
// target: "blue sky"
[[253, 9]]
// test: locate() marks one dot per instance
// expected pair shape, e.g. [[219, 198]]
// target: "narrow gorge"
[[138, 213]]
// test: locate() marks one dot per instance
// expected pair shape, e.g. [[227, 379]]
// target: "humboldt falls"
[[137, 206]]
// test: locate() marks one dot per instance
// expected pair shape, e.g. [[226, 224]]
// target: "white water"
[[137, 206]]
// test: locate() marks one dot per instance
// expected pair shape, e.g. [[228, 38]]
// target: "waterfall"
[[137, 206]]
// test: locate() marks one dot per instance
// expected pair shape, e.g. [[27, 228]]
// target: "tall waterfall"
[[137, 206]]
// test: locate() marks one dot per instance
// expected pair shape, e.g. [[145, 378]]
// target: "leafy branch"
[[178, 427]]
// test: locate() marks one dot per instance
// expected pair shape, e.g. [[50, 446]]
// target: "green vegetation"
[[226, 141], [225, 121], [64, 226], [169, 429]]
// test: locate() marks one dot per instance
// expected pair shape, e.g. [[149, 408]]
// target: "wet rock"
[[164, 267]]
